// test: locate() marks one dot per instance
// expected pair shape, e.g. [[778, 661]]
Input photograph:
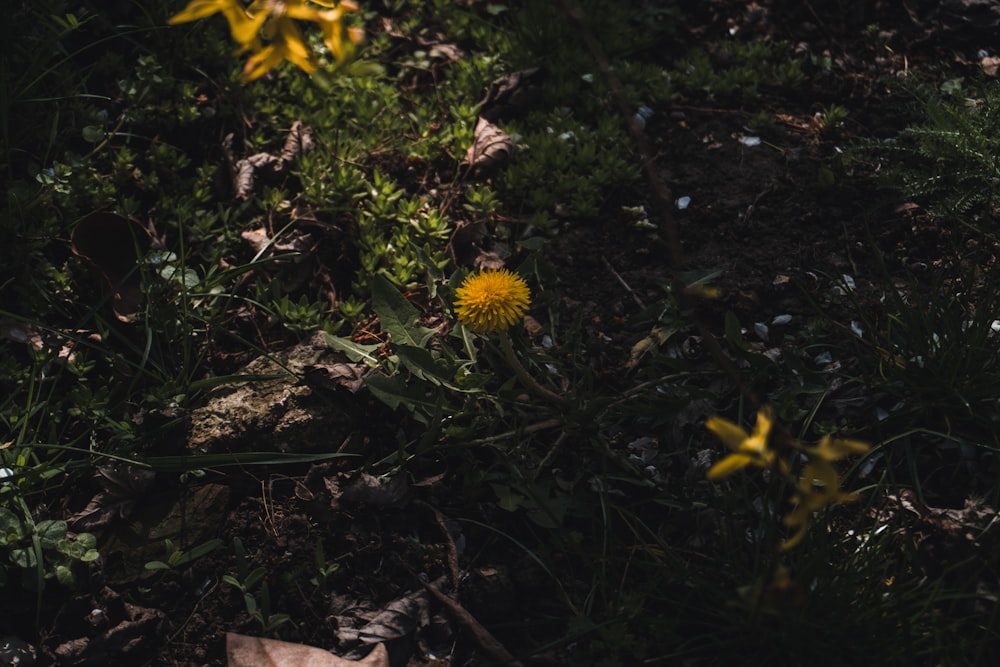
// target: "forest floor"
[[443, 568]]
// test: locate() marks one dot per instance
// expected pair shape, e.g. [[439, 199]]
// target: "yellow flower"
[[831, 449], [492, 301], [818, 487], [334, 32], [268, 29], [243, 26], [288, 43], [748, 449]]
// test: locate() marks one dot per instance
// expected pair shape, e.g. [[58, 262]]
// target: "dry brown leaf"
[[990, 65], [245, 171], [336, 376], [121, 486], [244, 651], [490, 147], [113, 244], [511, 95]]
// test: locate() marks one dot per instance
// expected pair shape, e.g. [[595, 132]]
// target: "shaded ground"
[[765, 215]]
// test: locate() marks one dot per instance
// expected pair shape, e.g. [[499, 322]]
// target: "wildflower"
[[748, 449], [243, 26], [287, 43], [818, 487], [331, 23], [492, 301], [832, 449], [268, 29]]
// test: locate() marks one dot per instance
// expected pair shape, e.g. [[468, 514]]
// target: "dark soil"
[[763, 215]]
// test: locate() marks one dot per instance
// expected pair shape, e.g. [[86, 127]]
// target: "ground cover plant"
[[475, 332]]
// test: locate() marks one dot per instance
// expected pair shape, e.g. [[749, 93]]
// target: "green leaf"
[[23, 558], [64, 575], [93, 134], [422, 363], [11, 528], [734, 333], [507, 499], [197, 552], [51, 533], [394, 392], [398, 316], [356, 352]]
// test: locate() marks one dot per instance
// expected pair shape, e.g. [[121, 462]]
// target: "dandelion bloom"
[[748, 449], [492, 301]]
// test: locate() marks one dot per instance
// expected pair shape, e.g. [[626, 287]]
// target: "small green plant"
[[47, 548], [831, 119], [741, 70], [177, 557], [253, 586], [324, 570], [949, 161]]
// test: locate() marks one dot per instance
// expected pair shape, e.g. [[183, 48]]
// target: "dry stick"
[[450, 547], [483, 636], [621, 281], [661, 193]]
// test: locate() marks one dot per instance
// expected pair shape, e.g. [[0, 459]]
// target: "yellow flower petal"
[[199, 9], [294, 45], [762, 428], [492, 301], [831, 449], [731, 435], [242, 26], [729, 465], [261, 62]]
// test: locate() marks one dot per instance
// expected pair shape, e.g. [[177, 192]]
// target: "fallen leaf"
[[246, 170], [469, 246], [244, 651], [113, 244], [490, 147], [122, 486], [336, 376], [990, 64], [511, 95], [401, 617]]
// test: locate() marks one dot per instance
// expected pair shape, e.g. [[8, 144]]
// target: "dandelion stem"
[[529, 382]]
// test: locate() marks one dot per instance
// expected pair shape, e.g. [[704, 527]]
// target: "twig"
[[621, 281], [482, 636], [449, 543]]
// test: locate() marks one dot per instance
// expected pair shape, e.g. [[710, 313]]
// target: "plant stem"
[[529, 382]]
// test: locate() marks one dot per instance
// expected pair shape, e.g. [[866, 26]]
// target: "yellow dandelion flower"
[[492, 301]]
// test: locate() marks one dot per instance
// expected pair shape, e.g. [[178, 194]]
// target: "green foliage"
[[949, 159], [741, 70], [46, 548], [567, 165], [253, 586], [178, 558]]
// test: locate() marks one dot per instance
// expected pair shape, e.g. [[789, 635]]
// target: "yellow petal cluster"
[[819, 484], [816, 487], [268, 30], [749, 449], [492, 301]]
